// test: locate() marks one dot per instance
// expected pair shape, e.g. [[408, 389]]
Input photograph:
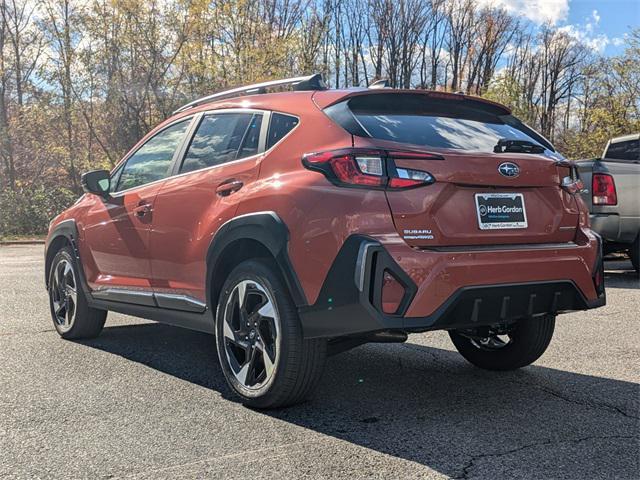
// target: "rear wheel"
[[262, 352], [72, 317], [505, 348]]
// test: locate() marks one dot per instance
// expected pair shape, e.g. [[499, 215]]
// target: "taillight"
[[407, 178], [369, 168], [603, 189]]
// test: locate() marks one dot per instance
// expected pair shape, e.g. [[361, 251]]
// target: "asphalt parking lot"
[[148, 401]]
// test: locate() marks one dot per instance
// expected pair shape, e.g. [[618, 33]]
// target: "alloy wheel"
[[251, 330], [64, 295]]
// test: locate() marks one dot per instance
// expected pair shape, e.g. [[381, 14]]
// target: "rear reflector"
[[603, 189], [392, 293]]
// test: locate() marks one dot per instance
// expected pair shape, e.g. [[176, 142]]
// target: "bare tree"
[[460, 16], [561, 57], [495, 29]]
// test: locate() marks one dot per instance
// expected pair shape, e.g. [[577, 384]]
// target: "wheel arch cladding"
[[63, 234], [255, 235]]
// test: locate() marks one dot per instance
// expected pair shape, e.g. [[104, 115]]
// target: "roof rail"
[[378, 84], [310, 82]]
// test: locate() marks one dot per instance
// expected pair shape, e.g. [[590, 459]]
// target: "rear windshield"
[[441, 123], [628, 150]]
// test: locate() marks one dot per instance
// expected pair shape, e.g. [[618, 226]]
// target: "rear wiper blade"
[[506, 145]]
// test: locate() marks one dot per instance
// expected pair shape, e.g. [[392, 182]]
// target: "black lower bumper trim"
[[349, 301], [485, 305]]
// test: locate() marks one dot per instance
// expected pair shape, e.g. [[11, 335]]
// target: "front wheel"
[[72, 316], [505, 348], [263, 355]]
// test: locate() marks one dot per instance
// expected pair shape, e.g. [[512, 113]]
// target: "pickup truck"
[[612, 193]]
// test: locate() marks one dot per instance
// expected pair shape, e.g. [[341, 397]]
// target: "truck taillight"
[[363, 168], [603, 189]]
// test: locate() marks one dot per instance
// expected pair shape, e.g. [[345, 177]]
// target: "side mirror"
[[97, 182]]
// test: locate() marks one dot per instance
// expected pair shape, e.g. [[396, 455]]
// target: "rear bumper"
[[615, 228], [443, 289]]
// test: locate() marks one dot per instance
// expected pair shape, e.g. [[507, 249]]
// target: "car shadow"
[[620, 274], [427, 405]]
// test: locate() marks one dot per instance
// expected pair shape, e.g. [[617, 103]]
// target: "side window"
[[280, 125], [152, 161], [222, 138]]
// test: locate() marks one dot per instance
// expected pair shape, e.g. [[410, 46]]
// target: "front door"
[[116, 231]]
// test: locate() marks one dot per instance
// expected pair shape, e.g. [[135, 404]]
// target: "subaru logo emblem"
[[508, 169]]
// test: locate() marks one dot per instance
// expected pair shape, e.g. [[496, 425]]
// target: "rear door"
[[218, 167], [486, 191]]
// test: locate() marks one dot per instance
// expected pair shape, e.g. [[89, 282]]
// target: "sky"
[[601, 24]]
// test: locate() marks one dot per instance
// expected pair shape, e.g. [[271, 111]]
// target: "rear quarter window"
[[279, 126]]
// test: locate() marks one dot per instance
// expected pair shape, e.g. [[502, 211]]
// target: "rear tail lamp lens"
[[349, 167], [392, 293], [603, 189], [370, 165], [407, 178], [372, 169]]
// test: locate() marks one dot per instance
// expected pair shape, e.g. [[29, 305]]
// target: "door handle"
[[228, 187], [142, 210]]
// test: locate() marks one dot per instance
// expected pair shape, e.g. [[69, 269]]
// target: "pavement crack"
[[468, 467], [584, 403]]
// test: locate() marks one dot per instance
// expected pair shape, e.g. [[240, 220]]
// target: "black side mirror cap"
[[97, 182]]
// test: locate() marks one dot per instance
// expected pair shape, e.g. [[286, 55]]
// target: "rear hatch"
[[496, 180]]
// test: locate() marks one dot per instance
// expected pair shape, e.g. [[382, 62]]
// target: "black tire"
[[87, 322], [300, 362], [634, 254], [528, 340]]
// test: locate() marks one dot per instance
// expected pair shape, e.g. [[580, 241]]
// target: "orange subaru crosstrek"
[[297, 224]]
